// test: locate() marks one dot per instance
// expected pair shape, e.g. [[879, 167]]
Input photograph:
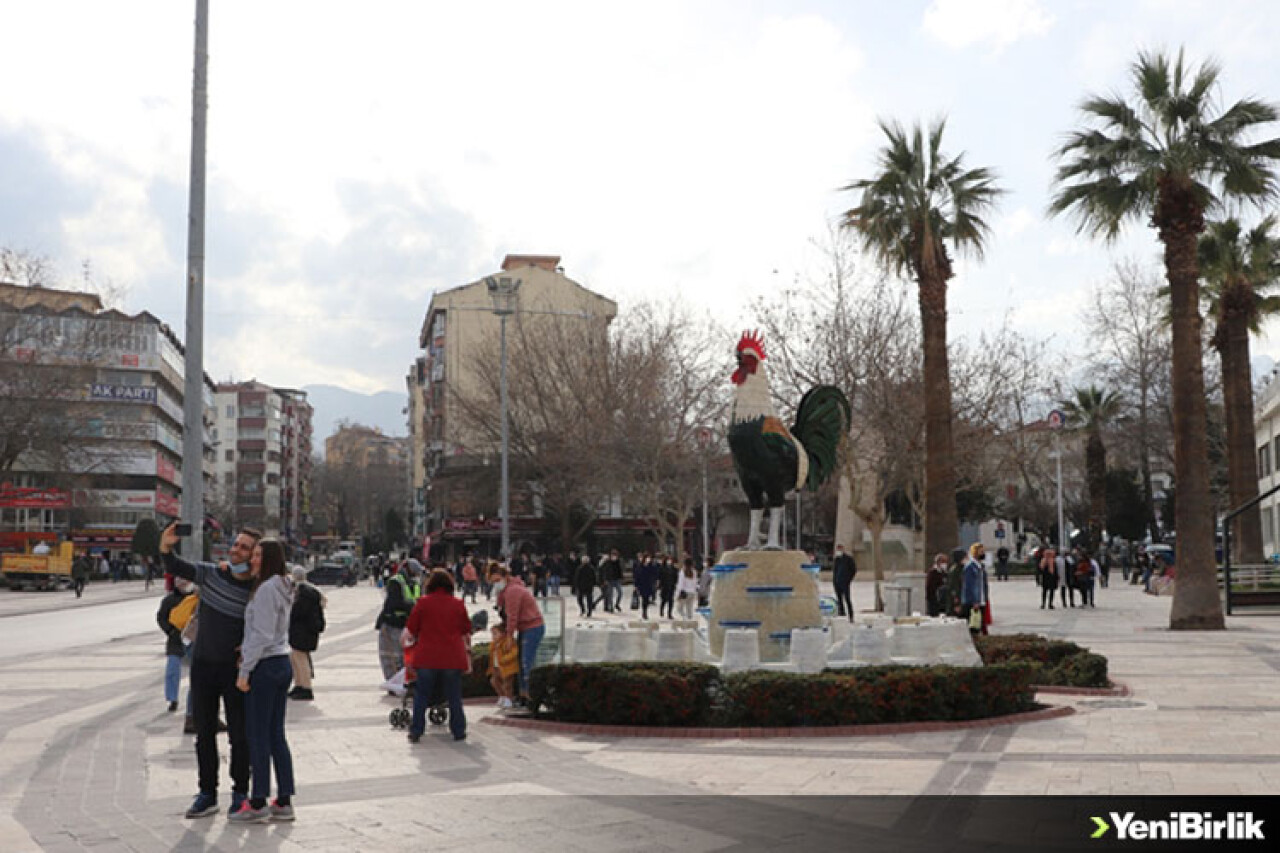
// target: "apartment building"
[[262, 451], [91, 419]]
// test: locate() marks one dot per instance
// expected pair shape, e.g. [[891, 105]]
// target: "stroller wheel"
[[400, 719], [438, 716]]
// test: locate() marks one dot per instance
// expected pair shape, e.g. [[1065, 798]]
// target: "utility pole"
[[1057, 420], [193, 365]]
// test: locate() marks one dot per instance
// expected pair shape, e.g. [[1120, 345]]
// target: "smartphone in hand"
[[182, 528]]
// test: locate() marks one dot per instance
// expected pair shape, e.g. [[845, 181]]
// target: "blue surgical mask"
[[239, 568]]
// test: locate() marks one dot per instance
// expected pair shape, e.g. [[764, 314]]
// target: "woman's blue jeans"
[[264, 707], [529, 640], [451, 686]]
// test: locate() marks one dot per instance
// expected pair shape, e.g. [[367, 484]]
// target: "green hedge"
[[476, 682], [1056, 663], [685, 694], [643, 693]]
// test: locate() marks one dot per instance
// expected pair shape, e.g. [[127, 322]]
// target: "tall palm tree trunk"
[[1237, 392], [941, 523], [1096, 472], [1197, 604]]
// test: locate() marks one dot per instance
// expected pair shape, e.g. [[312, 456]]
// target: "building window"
[[1264, 461], [231, 411], [230, 456], [1267, 526]]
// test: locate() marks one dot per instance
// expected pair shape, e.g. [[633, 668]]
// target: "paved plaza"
[[90, 759]]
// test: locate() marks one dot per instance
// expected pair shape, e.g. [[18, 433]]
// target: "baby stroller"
[[437, 707]]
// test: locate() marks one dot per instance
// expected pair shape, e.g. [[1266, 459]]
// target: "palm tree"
[[919, 202], [1237, 272], [1166, 158], [1091, 411]]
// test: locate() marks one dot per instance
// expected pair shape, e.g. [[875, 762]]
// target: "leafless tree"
[[1131, 348]]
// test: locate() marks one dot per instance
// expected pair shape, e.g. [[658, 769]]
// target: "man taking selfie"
[[224, 592]]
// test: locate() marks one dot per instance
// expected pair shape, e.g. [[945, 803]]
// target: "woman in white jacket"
[[265, 674], [687, 589]]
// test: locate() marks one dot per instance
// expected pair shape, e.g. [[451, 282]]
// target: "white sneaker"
[[504, 703]]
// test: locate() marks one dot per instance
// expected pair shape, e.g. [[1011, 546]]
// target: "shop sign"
[[25, 498], [123, 393]]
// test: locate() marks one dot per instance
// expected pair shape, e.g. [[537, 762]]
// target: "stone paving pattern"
[[90, 760]]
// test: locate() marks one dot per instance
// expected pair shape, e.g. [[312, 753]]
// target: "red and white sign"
[[166, 470], [22, 498], [114, 499], [167, 504], [129, 360]]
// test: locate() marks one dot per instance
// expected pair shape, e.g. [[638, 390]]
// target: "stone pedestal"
[[768, 591]]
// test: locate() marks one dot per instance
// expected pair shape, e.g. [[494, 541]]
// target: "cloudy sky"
[[363, 155]]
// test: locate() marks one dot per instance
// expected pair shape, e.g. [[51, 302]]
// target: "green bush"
[[476, 682], [876, 695], [1083, 670], [642, 693], [1056, 663], [682, 694]]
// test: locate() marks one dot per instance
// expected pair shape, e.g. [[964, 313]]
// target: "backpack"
[[182, 612]]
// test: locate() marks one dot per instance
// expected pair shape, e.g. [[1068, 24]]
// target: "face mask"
[[239, 569], [184, 586]]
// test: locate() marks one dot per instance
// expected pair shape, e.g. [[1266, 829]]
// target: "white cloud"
[[994, 23]]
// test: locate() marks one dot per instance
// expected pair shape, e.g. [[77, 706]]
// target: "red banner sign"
[[20, 498]]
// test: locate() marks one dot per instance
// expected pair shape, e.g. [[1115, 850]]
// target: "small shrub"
[[476, 682], [1057, 663], [643, 693], [1083, 670]]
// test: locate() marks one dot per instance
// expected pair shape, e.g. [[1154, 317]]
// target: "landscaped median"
[[677, 699]]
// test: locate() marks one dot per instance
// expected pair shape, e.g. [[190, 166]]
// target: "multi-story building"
[[262, 443], [1267, 438], [369, 473], [91, 419], [450, 459]]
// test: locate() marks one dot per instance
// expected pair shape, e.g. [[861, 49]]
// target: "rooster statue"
[[770, 459]]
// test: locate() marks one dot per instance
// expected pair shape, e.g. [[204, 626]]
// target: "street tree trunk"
[[1232, 342], [941, 525], [1096, 471], [1197, 603]]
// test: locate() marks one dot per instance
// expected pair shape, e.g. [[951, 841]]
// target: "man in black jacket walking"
[[843, 571]]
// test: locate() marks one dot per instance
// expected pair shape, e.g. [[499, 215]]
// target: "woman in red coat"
[[441, 650]]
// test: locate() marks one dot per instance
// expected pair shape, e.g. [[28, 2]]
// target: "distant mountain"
[[384, 410]]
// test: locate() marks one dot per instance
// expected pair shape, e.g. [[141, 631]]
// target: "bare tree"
[[668, 388], [1131, 347]]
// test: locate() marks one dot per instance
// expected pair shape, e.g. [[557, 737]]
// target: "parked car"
[[332, 574]]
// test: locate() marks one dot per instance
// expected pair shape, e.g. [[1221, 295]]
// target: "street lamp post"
[[193, 357], [704, 442], [504, 290], [1057, 420]]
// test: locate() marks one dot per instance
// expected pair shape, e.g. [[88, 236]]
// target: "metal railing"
[[1255, 576]]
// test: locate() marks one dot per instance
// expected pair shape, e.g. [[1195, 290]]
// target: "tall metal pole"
[[1062, 530], [193, 385], [706, 533], [506, 484]]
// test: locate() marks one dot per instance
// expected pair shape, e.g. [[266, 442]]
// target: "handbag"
[[182, 612], [635, 599], [975, 619]]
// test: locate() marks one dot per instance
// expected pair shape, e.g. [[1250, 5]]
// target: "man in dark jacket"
[[843, 571], [584, 586], [611, 581], [306, 624], [224, 593]]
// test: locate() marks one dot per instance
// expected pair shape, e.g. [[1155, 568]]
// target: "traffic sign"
[[1056, 419]]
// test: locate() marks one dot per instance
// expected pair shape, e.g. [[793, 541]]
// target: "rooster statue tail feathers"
[[822, 419]]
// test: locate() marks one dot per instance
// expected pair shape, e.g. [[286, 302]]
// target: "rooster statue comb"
[[772, 460]]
